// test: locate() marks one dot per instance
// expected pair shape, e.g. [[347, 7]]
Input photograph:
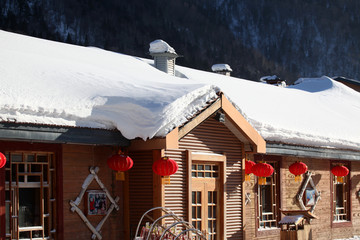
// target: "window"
[[340, 196], [30, 195], [268, 200]]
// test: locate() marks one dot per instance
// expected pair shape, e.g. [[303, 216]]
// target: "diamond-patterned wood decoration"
[[316, 194], [74, 204]]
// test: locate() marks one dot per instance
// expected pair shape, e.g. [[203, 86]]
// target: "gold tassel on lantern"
[[339, 179], [247, 177], [120, 176], [298, 178], [262, 180], [165, 180]]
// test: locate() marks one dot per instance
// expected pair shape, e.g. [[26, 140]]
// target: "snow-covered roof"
[[48, 82]]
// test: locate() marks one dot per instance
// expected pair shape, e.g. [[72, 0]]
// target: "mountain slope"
[[255, 37]]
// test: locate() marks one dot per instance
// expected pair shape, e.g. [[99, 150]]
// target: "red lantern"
[[2, 160], [248, 169], [340, 171], [120, 163], [298, 168], [165, 167], [262, 170]]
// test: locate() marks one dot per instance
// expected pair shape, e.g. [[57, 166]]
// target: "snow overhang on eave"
[[57, 134], [234, 121], [311, 152]]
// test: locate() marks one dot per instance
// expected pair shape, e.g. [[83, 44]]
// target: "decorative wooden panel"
[[213, 137]]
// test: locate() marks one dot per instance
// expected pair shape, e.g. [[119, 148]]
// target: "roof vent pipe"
[[164, 56], [222, 68]]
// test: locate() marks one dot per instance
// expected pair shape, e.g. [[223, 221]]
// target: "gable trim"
[[237, 123]]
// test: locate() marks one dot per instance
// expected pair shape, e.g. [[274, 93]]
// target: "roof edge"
[[61, 134], [313, 152]]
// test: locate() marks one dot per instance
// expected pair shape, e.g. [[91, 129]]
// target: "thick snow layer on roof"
[[54, 83], [160, 46]]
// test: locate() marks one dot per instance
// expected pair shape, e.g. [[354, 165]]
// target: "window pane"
[[29, 207], [339, 195], [16, 157], [266, 198], [198, 212], [193, 197], [30, 158]]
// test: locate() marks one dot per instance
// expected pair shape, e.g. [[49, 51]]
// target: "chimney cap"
[[160, 46], [221, 67]]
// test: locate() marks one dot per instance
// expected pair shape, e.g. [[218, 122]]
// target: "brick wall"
[[322, 227]]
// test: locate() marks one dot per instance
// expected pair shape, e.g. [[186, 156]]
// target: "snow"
[[160, 46], [47, 82], [221, 67]]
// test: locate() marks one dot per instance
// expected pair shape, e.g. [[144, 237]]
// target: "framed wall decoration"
[[86, 195], [308, 196], [96, 202]]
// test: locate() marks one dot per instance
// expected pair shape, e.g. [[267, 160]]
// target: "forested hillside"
[[255, 37]]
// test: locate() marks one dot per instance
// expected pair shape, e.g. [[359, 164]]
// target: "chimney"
[[222, 68], [273, 80], [164, 56]]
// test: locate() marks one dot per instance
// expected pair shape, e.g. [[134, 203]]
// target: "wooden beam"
[[2, 203], [243, 125], [168, 142], [158, 187]]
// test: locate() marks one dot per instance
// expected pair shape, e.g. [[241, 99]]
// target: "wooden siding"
[[176, 193], [77, 159], [213, 137], [140, 187]]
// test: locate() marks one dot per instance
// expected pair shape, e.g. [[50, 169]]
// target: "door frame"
[[221, 161]]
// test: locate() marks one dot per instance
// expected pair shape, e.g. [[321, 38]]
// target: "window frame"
[[276, 160], [347, 179]]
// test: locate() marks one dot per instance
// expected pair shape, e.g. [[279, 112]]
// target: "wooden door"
[[205, 199]]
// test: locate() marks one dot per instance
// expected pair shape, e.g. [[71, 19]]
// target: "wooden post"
[[2, 204], [158, 187]]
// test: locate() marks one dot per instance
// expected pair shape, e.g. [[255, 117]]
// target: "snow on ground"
[[54, 83], [352, 238]]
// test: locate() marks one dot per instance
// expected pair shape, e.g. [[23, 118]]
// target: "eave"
[[60, 134], [311, 152]]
